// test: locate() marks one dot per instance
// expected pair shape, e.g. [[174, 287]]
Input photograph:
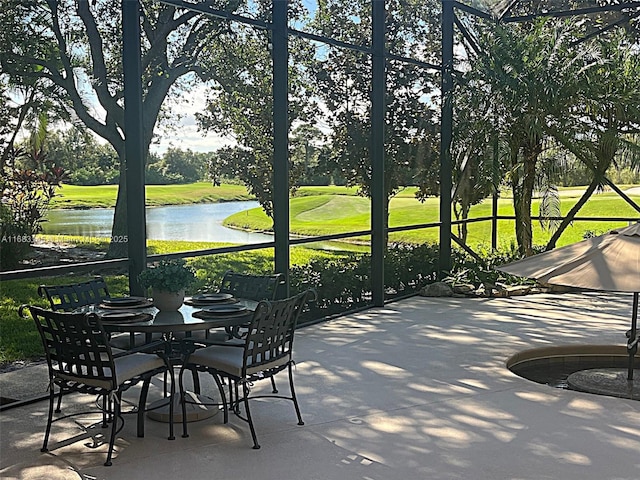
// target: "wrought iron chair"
[[266, 351], [250, 287], [80, 359], [70, 297]]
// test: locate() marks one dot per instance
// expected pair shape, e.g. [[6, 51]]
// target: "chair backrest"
[[70, 297], [77, 349], [269, 340], [251, 287]]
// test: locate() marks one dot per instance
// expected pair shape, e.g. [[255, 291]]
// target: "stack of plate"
[[206, 299], [228, 310], [127, 303], [122, 316]]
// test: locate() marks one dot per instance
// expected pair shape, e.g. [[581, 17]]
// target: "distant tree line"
[[90, 162]]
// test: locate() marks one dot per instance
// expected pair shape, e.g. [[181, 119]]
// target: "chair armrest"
[[22, 311]]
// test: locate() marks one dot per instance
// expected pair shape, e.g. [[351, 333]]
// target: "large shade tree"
[[343, 80], [240, 105], [75, 47]]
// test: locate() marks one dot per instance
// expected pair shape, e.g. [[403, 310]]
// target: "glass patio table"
[[117, 317], [149, 320]]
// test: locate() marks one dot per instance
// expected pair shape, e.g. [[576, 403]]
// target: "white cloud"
[[185, 134], [187, 137]]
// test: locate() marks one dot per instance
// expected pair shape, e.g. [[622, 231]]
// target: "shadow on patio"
[[417, 389]]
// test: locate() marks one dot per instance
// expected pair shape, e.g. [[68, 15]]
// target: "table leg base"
[[196, 411]]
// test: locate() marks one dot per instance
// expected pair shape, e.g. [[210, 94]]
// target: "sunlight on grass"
[[104, 196], [325, 210], [319, 215]]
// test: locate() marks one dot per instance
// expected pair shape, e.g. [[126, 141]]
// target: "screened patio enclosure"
[[601, 17]]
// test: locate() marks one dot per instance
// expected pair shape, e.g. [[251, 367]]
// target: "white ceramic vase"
[[166, 301]]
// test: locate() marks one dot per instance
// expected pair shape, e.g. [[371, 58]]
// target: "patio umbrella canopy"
[[609, 262]]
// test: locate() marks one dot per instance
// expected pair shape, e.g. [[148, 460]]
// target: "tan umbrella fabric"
[[610, 262]]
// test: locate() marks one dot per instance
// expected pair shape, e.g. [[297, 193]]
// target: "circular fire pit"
[[597, 369]]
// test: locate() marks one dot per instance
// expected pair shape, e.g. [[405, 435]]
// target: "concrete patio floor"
[[415, 390]]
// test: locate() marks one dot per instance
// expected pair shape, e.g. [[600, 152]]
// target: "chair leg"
[[293, 395], [49, 421], [183, 401], [233, 398], [196, 381], [60, 393], [245, 389], [106, 411], [142, 401], [164, 381], [173, 393], [223, 399], [114, 427], [237, 395]]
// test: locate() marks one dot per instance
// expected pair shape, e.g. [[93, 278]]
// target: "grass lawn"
[[327, 214], [104, 196]]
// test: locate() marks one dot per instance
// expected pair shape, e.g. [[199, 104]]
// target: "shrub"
[[467, 270], [29, 181], [345, 283]]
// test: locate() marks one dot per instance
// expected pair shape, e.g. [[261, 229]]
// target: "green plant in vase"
[[168, 281]]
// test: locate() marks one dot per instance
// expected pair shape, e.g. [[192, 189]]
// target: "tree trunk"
[[528, 184], [465, 226], [522, 195], [462, 213], [119, 229], [571, 214], [518, 208]]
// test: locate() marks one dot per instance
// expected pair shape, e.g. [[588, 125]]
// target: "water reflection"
[[197, 222]]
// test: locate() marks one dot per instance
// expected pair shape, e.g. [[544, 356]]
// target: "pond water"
[[200, 222]]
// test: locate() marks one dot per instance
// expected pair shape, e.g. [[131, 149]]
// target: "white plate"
[[121, 317], [124, 301], [220, 310], [212, 297]]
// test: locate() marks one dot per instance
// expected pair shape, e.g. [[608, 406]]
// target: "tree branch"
[[67, 80], [99, 69]]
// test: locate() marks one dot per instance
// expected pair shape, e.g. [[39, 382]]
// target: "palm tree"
[[600, 132], [533, 77]]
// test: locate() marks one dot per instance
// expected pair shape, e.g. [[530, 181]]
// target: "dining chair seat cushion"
[[127, 367], [122, 341], [130, 366], [229, 359]]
